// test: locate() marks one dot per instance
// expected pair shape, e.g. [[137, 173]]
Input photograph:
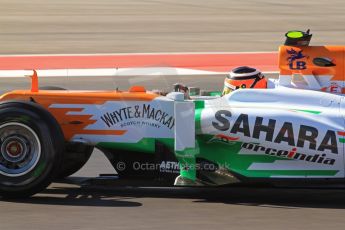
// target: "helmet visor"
[[226, 90]]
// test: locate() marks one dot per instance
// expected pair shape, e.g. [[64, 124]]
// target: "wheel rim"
[[20, 149]]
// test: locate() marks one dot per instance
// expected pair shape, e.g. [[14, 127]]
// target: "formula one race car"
[[292, 131]]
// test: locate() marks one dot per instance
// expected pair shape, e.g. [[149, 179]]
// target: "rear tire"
[[31, 143]]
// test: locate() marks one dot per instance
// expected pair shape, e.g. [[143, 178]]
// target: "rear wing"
[[312, 67]]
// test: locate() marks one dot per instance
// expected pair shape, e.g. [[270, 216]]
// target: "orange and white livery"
[[291, 130], [313, 67]]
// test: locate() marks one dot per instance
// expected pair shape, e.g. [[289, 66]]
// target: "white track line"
[[111, 72]]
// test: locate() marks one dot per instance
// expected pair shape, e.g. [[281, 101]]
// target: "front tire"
[[31, 143], [75, 156]]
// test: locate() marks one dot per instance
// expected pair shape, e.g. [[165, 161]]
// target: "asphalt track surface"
[[113, 26], [104, 26]]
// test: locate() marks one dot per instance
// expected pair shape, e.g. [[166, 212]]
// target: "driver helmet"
[[244, 77]]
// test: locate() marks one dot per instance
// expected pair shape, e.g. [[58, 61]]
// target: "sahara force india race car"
[[291, 131]]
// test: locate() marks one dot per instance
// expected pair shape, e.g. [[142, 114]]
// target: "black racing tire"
[[74, 158], [31, 146], [51, 88], [75, 155]]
